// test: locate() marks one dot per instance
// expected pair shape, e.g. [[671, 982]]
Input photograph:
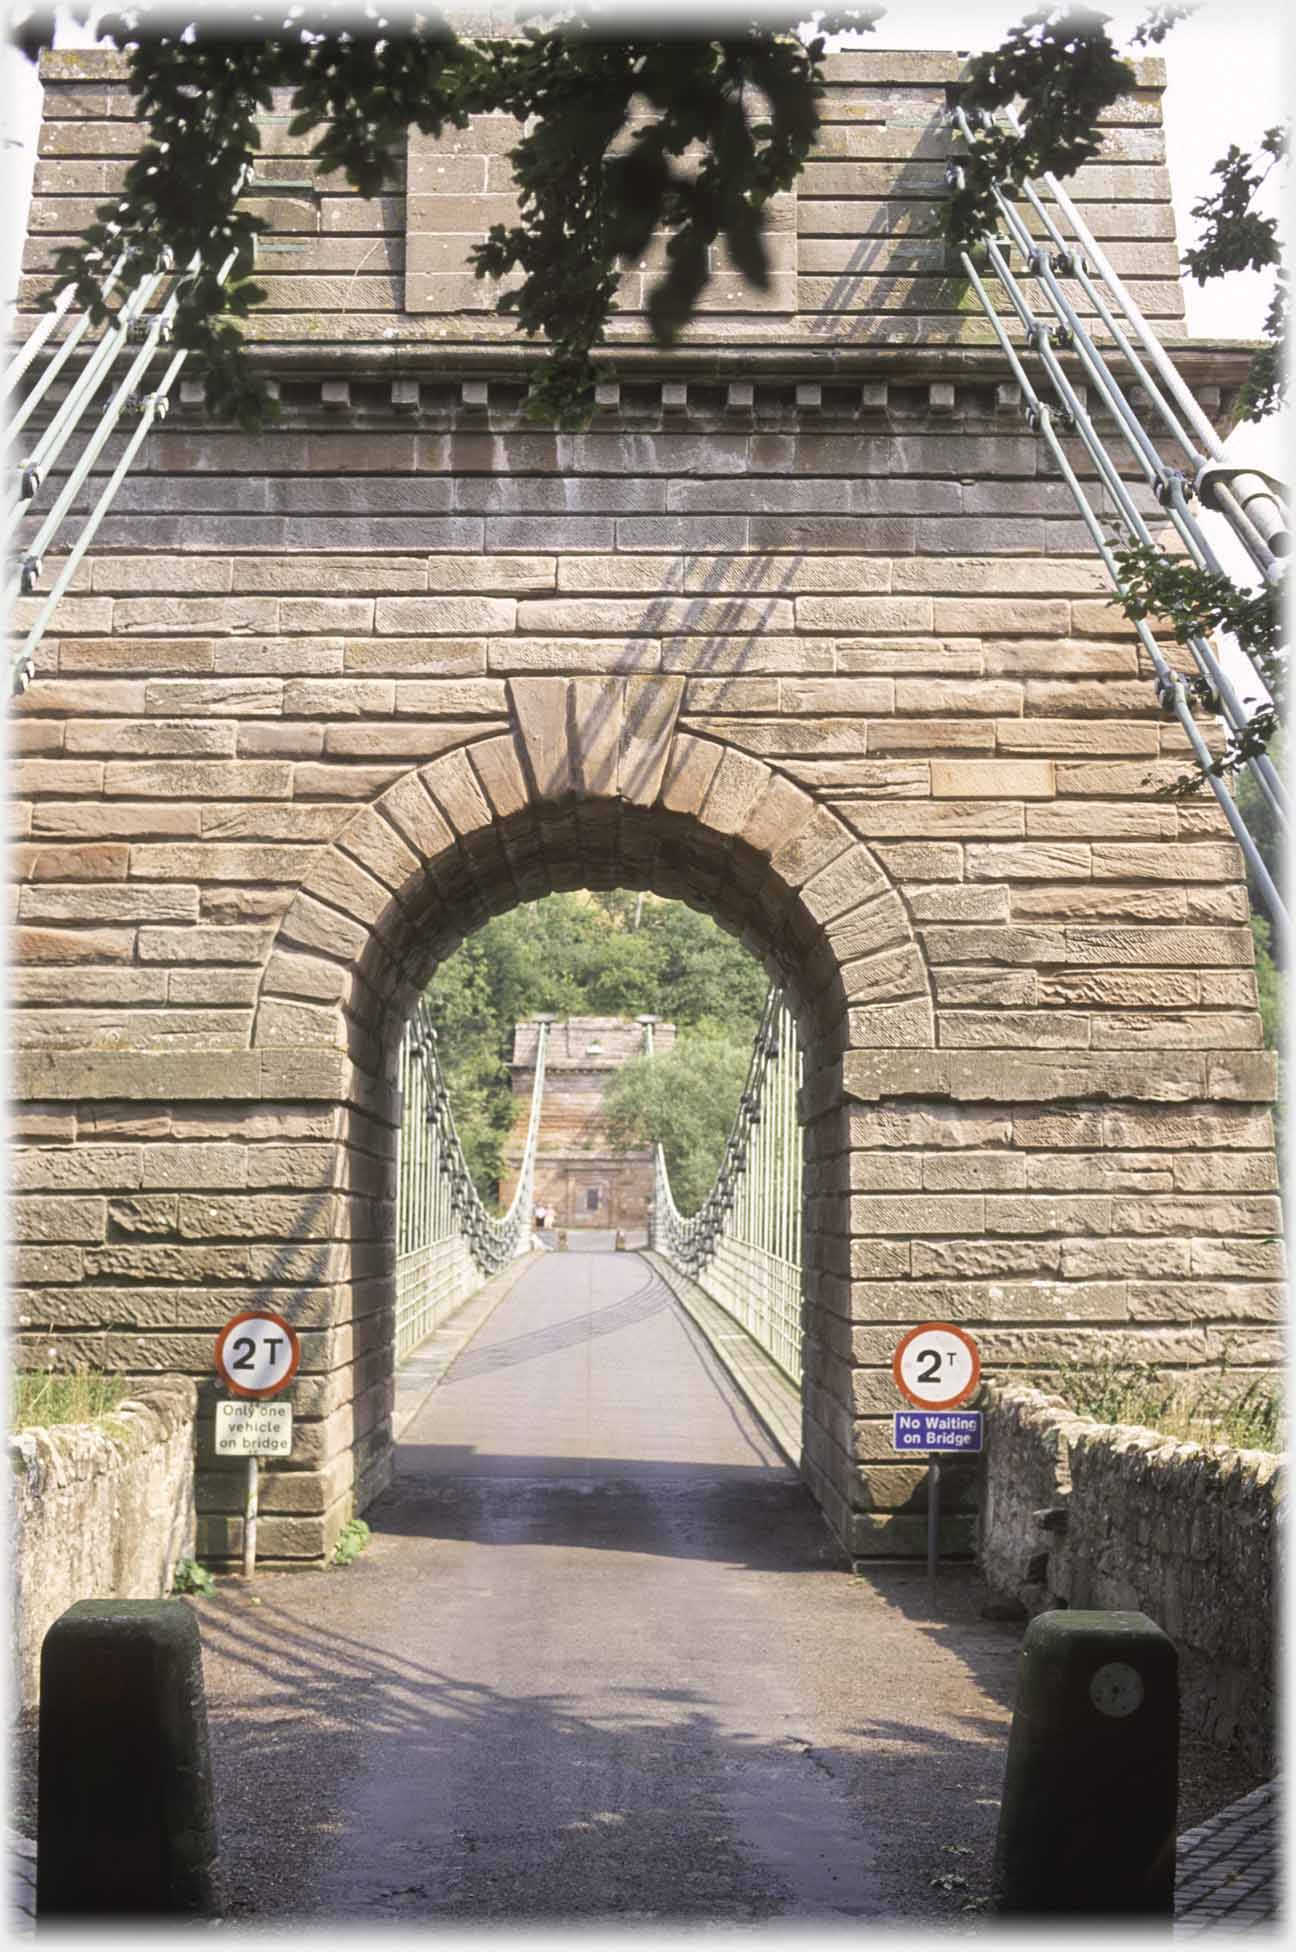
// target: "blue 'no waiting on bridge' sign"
[[936, 1430]]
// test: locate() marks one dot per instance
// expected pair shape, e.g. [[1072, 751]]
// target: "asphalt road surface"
[[602, 1662]]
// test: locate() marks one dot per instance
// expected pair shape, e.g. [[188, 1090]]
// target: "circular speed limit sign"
[[257, 1354], [936, 1366]]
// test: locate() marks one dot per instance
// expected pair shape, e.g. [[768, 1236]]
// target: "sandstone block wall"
[[1084, 1514], [98, 1513], [802, 630], [855, 252]]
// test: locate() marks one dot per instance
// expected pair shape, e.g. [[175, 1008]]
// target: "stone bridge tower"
[[802, 629], [577, 1172]]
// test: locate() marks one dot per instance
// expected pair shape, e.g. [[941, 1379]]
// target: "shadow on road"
[[739, 1515], [484, 1358], [354, 1778]]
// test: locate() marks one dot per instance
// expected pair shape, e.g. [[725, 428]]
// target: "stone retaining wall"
[[97, 1515], [1085, 1514]]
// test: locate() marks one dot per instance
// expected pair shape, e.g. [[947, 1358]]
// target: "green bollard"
[[619, 1245], [1091, 1784], [562, 1240], [126, 1816]]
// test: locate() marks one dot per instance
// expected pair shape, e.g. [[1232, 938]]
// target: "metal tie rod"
[[22, 359], [24, 669], [1204, 655], [1168, 482], [1263, 509], [94, 446], [1038, 335], [1170, 687], [1170, 684], [100, 363]]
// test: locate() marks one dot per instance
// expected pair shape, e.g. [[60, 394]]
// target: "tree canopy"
[[684, 1100]]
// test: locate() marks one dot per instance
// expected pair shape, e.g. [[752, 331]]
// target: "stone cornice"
[[1219, 362]]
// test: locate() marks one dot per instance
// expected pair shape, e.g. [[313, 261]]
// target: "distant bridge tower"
[[578, 1173]]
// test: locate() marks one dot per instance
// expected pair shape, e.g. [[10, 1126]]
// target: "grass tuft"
[[41, 1398], [1214, 1407]]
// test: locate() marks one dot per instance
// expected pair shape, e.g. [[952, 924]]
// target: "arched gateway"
[[801, 631]]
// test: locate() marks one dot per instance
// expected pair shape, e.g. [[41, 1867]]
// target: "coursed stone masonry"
[[801, 629]]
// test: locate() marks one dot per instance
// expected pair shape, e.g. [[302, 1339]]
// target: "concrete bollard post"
[[619, 1245], [1091, 1783], [126, 1821], [562, 1240]]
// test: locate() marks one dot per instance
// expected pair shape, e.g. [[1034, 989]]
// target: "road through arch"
[[594, 785]]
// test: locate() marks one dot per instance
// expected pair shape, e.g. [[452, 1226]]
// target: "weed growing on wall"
[[351, 1542], [191, 1577], [42, 1398], [1211, 1406]]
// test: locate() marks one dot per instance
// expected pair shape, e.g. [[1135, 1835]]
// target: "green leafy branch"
[[1236, 237], [745, 112], [1060, 66], [729, 123], [1195, 602]]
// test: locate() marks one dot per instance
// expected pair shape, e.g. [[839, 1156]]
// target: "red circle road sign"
[[936, 1366], [257, 1353]]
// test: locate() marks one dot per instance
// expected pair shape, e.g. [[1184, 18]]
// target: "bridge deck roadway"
[[601, 1661]]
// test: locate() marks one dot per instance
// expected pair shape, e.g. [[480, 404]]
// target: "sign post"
[[257, 1354], [936, 1366]]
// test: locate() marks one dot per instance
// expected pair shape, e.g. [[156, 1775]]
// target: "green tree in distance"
[[1271, 969], [608, 954], [685, 1101]]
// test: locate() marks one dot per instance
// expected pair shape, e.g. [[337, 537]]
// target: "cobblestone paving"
[[1229, 1869]]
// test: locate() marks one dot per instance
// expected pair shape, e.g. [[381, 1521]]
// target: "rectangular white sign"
[[246, 1428]]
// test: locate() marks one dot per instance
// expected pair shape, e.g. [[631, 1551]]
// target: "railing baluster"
[[447, 1241], [743, 1245]]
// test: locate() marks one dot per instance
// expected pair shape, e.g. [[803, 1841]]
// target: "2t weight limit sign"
[[936, 1366], [257, 1354]]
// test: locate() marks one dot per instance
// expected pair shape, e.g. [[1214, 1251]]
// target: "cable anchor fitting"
[[1172, 481], [29, 573], [1167, 691]]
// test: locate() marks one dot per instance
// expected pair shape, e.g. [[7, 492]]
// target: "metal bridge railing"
[[1199, 474], [447, 1243], [743, 1245]]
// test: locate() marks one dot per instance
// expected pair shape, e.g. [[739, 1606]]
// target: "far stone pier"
[[802, 630]]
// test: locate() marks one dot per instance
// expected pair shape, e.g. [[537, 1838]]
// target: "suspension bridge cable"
[[743, 1245], [151, 406], [1252, 511]]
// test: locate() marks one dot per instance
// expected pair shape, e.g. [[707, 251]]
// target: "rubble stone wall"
[[1083, 1514], [98, 1512]]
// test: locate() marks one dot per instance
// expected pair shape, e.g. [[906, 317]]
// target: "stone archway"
[[595, 786]]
